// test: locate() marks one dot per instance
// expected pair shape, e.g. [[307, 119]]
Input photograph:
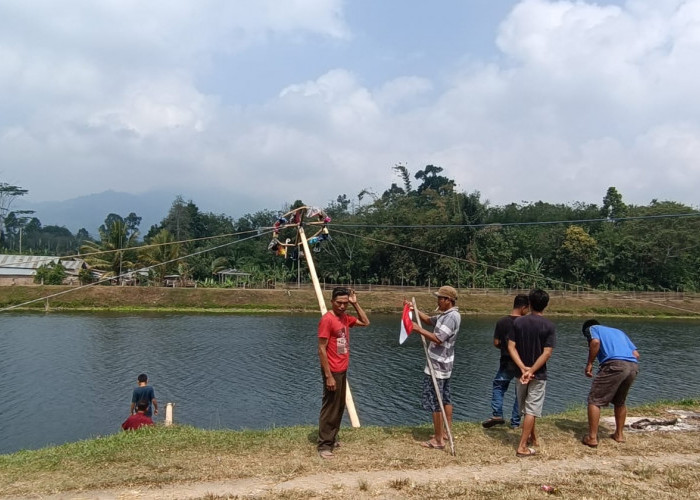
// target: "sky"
[[242, 105]]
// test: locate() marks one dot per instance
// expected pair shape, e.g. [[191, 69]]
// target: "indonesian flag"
[[406, 323]]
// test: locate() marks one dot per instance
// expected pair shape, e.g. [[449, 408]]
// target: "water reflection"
[[65, 377]]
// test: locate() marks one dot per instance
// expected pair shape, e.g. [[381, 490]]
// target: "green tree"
[[8, 194], [613, 206], [115, 252], [577, 254], [160, 256], [50, 274]]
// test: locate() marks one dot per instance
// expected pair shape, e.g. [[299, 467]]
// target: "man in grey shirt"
[[441, 353]]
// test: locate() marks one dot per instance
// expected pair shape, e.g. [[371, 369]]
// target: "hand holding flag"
[[406, 323]]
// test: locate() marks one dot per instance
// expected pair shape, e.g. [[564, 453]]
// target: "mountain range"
[[90, 211]]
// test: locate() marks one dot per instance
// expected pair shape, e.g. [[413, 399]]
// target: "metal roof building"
[[20, 269]]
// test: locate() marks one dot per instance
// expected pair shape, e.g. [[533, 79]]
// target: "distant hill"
[[90, 211]]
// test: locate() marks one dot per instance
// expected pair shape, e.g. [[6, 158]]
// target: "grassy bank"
[[212, 300], [665, 463]]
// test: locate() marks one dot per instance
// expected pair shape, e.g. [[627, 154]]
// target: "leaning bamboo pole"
[[435, 384], [349, 403]]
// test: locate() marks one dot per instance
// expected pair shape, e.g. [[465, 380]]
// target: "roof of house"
[[232, 272], [26, 265]]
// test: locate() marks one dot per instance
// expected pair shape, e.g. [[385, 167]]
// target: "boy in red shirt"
[[138, 419]]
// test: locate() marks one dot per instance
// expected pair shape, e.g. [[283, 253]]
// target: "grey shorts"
[[612, 383], [531, 397]]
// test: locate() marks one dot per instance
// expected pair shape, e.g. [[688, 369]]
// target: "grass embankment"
[[372, 463], [213, 300]]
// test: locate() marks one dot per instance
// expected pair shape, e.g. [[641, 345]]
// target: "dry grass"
[[373, 462]]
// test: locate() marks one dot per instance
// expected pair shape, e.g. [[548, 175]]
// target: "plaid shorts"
[[429, 400]]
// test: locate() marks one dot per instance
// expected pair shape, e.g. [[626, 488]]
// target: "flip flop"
[[585, 441], [431, 445], [326, 454], [531, 452]]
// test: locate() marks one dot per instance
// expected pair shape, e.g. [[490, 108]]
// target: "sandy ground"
[[530, 471]]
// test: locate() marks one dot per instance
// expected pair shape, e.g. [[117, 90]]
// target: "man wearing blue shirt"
[[618, 367]]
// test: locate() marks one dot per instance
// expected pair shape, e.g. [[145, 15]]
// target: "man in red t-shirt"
[[138, 419], [334, 354]]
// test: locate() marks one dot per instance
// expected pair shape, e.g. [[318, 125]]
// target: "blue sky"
[[248, 104]]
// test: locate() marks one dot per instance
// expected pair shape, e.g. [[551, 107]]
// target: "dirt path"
[[528, 472]]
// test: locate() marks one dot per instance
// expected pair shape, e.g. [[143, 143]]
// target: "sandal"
[[531, 452]]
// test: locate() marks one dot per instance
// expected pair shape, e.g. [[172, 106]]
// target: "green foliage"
[[115, 252], [50, 274], [409, 235], [85, 277]]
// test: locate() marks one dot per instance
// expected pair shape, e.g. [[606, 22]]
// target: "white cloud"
[[584, 96]]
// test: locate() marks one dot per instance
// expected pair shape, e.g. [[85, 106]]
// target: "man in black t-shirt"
[[530, 345], [507, 370]]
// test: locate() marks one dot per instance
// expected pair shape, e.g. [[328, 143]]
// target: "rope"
[[504, 224], [520, 273], [143, 269], [140, 247]]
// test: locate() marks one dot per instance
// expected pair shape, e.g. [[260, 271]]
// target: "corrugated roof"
[[25, 261], [20, 264]]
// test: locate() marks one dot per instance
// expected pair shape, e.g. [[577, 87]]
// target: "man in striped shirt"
[[441, 353]]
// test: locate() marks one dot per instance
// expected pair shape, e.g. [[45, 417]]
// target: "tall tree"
[[114, 253], [160, 255], [8, 194], [613, 206]]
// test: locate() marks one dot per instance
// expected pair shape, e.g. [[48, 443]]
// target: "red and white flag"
[[406, 323]]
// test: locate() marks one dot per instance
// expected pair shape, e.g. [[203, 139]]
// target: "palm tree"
[[114, 252], [160, 255]]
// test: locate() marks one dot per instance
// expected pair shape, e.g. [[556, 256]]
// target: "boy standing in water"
[[144, 392]]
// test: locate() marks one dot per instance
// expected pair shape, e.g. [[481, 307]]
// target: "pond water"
[[66, 377]]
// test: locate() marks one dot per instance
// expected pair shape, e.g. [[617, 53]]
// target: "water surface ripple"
[[66, 377]]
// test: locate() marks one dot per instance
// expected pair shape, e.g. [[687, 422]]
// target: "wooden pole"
[[435, 384], [349, 403]]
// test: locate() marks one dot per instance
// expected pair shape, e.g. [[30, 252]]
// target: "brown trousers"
[[332, 408]]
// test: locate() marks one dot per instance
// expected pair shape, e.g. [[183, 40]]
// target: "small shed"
[[229, 274]]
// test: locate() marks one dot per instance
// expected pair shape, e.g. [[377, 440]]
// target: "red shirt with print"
[[337, 330]]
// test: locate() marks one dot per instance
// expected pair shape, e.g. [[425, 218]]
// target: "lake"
[[69, 376]]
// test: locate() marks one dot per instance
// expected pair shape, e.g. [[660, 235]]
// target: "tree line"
[[421, 230]]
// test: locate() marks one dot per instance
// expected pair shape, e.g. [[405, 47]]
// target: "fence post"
[[169, 414]]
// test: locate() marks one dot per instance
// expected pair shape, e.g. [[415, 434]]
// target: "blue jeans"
[[506, 373]]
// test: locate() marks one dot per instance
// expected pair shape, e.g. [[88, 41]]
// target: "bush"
[[50, 274]]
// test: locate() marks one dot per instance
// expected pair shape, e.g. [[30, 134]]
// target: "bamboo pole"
[[349, 403], [435, 384]]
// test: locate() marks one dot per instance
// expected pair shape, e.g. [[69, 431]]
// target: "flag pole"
[[349, 403], [435, 384]]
